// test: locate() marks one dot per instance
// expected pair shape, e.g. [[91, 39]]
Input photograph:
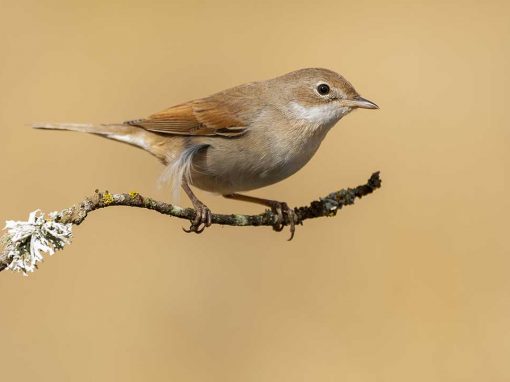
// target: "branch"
[[25, 241]]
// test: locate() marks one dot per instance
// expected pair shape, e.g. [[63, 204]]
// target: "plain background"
[[410, 284]]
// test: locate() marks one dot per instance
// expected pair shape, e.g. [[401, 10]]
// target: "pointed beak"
[[361, 103]]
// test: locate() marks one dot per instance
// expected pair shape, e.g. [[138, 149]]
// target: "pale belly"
[[258, 160]]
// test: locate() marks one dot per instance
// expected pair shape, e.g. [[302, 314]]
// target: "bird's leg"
[[203, 213], [278, 208]]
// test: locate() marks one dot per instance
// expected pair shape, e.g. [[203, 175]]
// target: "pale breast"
[[272, 150]]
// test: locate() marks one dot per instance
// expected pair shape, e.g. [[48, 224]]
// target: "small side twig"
[[22, 248]]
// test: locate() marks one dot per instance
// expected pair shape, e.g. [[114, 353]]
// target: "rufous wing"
[[208, 116]]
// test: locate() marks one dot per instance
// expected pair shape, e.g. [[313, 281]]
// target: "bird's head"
[[319, 96]]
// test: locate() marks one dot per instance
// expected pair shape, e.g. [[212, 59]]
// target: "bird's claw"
[[282, 210], [202, 220]]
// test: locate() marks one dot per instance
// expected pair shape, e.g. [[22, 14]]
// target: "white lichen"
[[26, 241]]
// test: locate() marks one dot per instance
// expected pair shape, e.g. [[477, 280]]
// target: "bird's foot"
[[202, 220], [284, 213]]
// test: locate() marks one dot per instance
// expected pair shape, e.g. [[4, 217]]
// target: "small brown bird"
[[239, 139]]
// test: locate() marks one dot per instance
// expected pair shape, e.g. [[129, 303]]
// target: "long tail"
[[132, 135]]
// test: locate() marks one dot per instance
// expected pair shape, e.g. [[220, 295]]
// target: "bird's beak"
[[360, 102]]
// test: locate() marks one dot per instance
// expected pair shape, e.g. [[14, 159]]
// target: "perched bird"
[[239, 139]]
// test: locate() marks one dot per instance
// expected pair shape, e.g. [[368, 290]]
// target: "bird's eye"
[[323, 89]]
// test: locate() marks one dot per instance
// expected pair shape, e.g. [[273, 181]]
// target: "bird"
[[239, 139]]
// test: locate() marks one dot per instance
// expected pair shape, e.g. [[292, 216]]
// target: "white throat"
[[321, 115]]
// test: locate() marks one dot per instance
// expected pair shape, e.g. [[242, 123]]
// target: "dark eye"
[[323, 89]]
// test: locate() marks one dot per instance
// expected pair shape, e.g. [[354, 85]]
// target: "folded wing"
[[210, 116]]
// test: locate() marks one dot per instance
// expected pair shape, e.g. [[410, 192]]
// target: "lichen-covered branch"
[[25, 240]]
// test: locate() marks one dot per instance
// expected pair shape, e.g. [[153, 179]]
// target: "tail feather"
[[132, 135], [101, 129], [171, 150]]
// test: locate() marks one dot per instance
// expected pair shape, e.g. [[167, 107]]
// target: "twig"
[[75, 215]]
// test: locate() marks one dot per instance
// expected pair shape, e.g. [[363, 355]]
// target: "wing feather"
[[209, 116]]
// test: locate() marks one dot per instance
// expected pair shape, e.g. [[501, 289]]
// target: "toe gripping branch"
[[281, 215]]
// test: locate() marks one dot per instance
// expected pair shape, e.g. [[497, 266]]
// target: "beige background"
[[411, 284]]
